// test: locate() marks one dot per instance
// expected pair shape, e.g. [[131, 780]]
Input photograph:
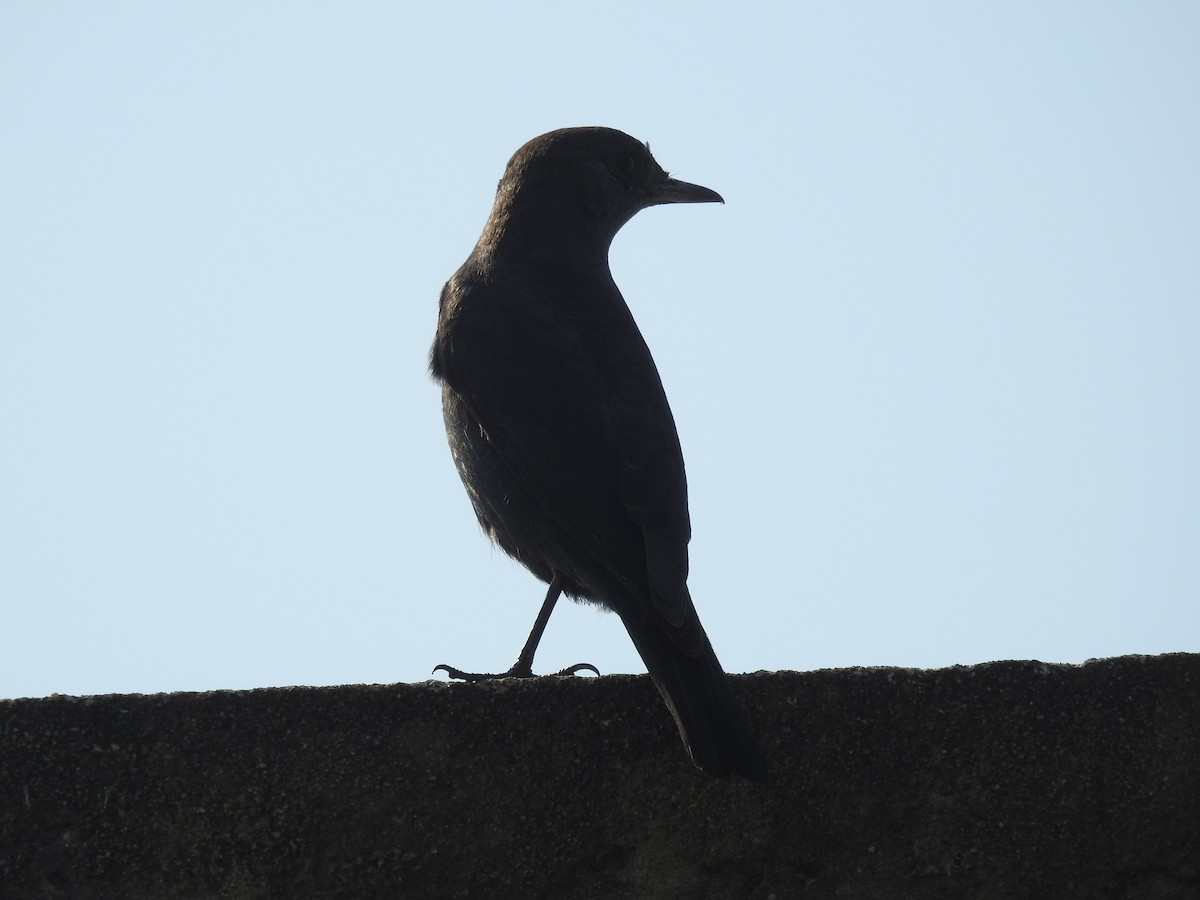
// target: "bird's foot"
[[517, 671]]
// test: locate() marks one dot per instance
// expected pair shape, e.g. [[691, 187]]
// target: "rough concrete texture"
[[1005, 780]]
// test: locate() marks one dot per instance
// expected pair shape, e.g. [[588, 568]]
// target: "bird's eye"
[[624, 165]]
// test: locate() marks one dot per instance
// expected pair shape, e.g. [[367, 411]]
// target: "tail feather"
[[697, 692]]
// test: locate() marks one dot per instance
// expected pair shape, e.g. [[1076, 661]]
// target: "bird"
[[560, 428]]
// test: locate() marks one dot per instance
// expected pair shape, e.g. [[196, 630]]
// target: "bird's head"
[[586, 181]]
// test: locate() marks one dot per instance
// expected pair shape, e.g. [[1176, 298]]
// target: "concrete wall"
[[1004, 780]]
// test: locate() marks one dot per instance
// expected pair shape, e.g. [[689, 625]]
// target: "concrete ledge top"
[[1002, 780]]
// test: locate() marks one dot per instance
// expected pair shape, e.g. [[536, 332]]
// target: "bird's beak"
[[671, 190]]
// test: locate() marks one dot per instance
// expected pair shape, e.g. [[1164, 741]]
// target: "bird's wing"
[[584, 426], [654, 489]]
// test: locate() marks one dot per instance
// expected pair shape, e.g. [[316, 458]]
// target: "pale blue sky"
[[934, 364]]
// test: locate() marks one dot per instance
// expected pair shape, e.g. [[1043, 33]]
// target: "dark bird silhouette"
[[560, 428]]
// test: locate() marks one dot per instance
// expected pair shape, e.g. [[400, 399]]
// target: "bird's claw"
[[577, 668], [516, 671]]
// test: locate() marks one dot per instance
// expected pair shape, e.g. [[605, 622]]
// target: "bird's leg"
[[523, 667]]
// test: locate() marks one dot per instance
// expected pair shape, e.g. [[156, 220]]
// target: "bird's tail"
[[697, 691]]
